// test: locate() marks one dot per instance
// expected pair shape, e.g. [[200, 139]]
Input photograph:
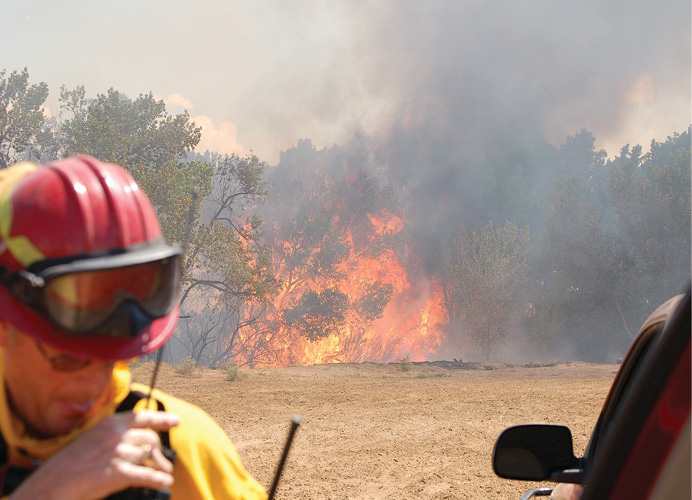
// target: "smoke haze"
[[281, 71], [437, 101]]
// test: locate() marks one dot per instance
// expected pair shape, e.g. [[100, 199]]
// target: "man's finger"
[[146, 477], [147, 419], [154, 458]]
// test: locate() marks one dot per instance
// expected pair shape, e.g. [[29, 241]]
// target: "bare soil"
[[396, 431]]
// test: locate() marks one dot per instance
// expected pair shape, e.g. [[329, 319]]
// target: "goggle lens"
[[82, 301]]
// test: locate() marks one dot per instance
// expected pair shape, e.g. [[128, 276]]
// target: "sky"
[[260, 75]]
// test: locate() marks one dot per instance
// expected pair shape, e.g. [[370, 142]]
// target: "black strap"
[[11, 476], [131, 400]]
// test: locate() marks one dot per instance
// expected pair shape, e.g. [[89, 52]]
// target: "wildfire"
[[385, 223], [410, 324]]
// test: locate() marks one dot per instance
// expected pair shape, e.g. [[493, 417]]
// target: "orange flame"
[[412, 324]]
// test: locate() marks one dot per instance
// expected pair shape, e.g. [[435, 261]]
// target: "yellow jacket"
[[206, 467]]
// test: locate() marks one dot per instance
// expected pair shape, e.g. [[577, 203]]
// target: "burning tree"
[[326, 305], [337, 244], [317, 315]]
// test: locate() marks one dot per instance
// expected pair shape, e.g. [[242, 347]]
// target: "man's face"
[[50, 401]]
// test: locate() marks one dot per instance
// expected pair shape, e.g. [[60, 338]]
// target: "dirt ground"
[[396, 431]]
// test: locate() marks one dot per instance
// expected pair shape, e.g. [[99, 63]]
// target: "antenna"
[[295, 422], [188, 231]]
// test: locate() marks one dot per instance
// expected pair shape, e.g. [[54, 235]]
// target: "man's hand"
[[566, 491], [120, 452]]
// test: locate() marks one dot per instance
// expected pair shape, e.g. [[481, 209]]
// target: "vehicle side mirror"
[[533, 452]]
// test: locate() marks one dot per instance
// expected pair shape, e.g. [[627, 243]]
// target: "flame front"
[[411, 324]]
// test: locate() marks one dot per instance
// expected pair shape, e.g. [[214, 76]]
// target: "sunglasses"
[[114, 295], [63, 362]]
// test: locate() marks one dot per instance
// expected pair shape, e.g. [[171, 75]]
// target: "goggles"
[[116, 295]]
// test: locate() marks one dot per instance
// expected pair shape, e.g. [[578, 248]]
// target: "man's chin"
[[62, 426], [70, 416]]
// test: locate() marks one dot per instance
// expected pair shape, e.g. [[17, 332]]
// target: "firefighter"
[[86, 284]]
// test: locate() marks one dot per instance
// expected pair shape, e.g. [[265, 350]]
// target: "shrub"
[[404, 364], [434, 375], [232, 372], [187, 368]]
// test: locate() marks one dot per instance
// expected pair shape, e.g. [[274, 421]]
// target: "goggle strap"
[[21, 285]]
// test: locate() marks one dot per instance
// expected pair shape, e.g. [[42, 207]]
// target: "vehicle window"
[[628, 370]]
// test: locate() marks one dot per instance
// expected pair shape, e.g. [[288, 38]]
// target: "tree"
[[590, 275], [206, 205], [137, 134], [225, 250], [177, 190], [216, 335], [319, 232], [202, 206], [22, 117], [143, 138], [227, 267], [489, 268], [651, 195], [317, 314]]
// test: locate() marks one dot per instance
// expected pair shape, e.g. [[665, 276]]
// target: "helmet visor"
[[82, 301]]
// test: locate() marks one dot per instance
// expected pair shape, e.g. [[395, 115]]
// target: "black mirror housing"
[[533, 452]]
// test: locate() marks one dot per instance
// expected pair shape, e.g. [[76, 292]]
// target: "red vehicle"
[[640, 447]]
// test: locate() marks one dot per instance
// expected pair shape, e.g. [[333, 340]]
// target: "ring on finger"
[[147, 459]]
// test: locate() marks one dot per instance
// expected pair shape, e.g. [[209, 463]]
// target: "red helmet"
[[83, 264]]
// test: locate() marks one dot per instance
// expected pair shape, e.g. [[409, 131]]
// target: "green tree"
[[489, 268], [137, 134], [142, 137], [205, 204], [228, 268], [201, 205], [651, 195], [22, 117], [177, 190], [225, 242]]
